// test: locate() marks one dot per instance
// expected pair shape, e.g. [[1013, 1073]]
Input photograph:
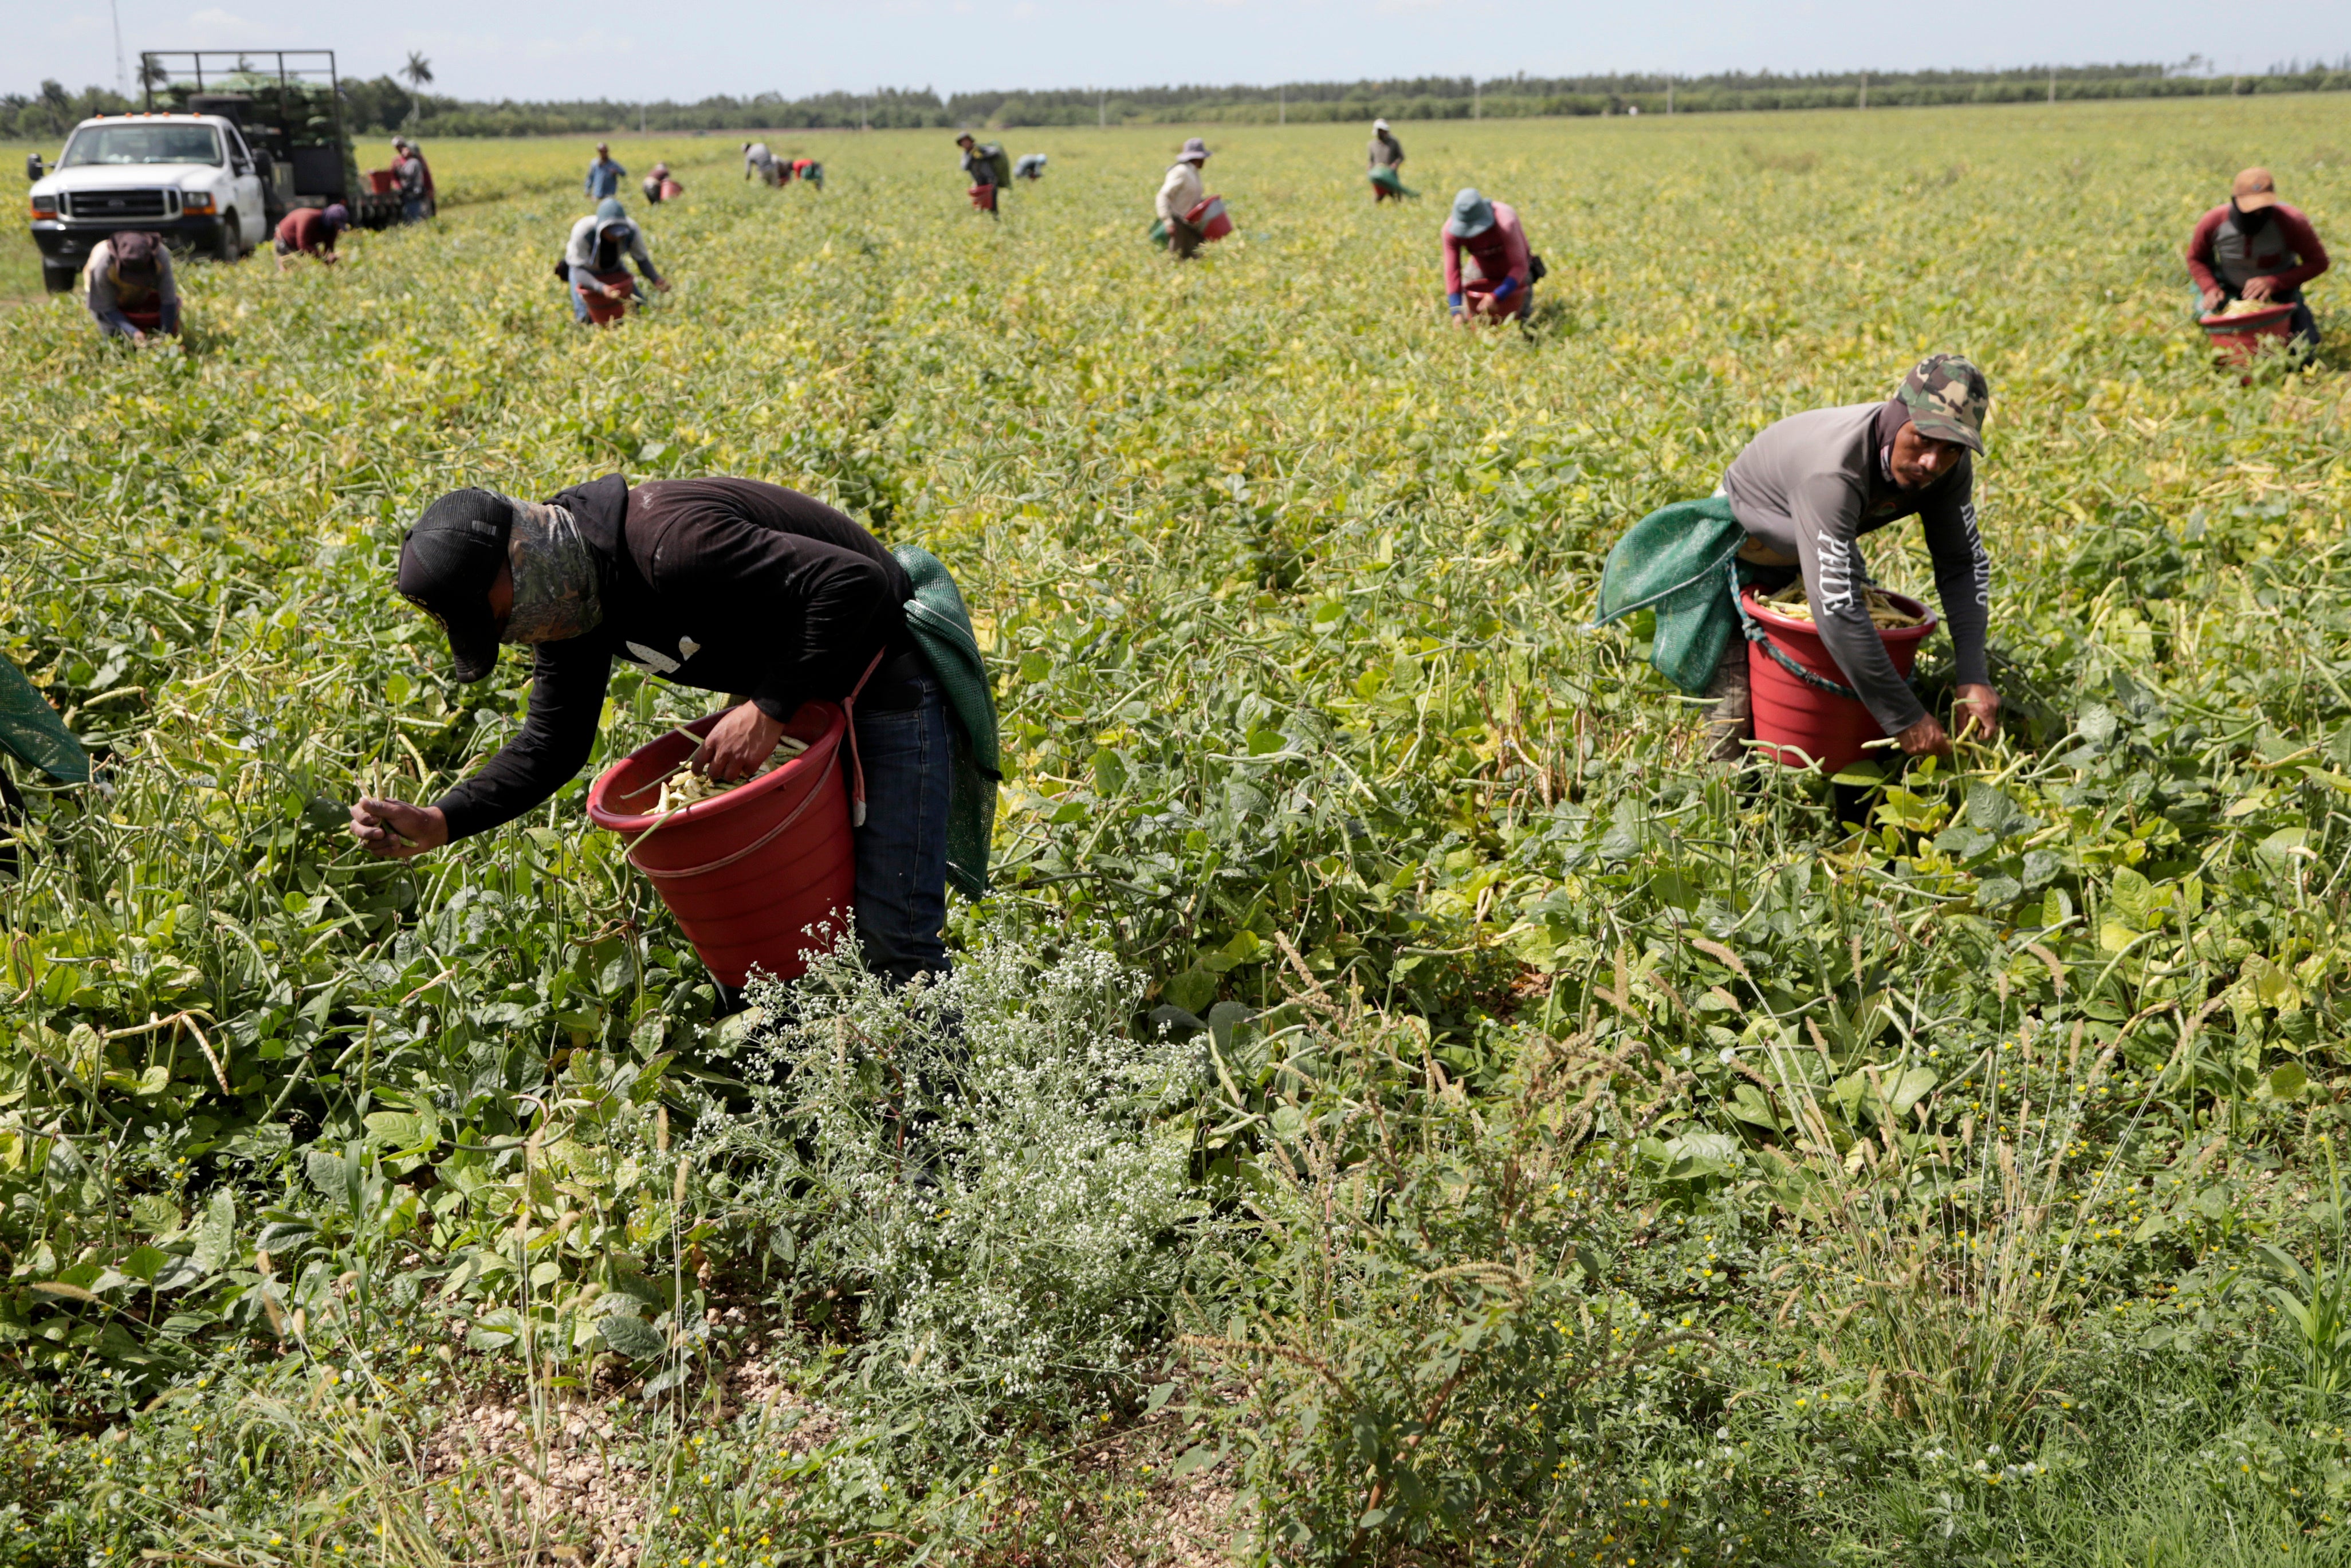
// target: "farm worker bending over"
[[986, 166], [1796, 502], [759, 160], [1178, 195], [312, 232], [130, 289], [605, 176], [1496, 278], [1031, 167], [2257, 247], [598, 244], [1386, 158], [659, 187], [727, 585], [809, 171]]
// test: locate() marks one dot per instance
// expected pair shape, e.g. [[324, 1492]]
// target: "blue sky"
[[689, 48]]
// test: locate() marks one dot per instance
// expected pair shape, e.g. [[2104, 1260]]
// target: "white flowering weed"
[[988, 1169]]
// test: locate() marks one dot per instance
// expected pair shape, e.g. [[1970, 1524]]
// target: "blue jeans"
[[412, 210], [902, 849]]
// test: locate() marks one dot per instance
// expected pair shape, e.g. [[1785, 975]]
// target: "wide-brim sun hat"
[[1194, 152], [1473, 214]]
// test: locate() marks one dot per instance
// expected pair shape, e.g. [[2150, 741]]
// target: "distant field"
[[1433, 1118]]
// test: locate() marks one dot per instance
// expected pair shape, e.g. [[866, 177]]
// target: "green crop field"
[[1398, 1105]]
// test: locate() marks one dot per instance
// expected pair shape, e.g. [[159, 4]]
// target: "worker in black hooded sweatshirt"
[[729, 585]]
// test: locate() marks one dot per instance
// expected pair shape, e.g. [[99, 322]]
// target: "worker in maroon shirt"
[[2256, 247], [312, 232]]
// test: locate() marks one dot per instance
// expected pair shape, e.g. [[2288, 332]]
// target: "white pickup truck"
[[188, 177]]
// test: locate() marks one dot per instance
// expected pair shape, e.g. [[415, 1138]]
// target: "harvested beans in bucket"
[[1884, 613], [684, 787]]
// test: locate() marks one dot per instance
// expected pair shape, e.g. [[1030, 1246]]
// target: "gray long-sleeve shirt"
[[1809, 486], [581, 252], [1385, 152]]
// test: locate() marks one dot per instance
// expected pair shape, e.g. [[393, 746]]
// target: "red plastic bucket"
[[749, 871], [147, 318], [671, 190], [983, 197], [382, 181], [1799, 723], [1211, 218], [1478, 300], [603, 312], [2242, 336]]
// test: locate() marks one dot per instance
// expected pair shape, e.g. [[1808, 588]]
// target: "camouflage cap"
[[1948, 399]]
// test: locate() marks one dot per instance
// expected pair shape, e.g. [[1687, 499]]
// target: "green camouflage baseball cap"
[[1948, 399]]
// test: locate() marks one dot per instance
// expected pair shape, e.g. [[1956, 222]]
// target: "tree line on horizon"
[[383, 104]]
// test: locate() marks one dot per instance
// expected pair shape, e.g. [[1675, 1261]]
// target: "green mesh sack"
[[31, 731], [1386, 177]]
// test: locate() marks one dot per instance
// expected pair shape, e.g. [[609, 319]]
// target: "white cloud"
[[213, 25]]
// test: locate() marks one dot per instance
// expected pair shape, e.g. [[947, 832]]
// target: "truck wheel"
[[231, 246], [57, 280]]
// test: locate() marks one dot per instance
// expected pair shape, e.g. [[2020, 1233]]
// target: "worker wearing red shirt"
[[311, 231], [2257, 247], [1495, 279]]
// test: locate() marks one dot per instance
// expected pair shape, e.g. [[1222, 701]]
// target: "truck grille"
[[105, 207]]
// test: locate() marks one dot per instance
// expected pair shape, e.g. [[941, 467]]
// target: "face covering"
[[556, 588], [2253, 222]]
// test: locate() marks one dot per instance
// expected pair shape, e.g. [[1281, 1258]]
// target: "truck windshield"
[[142, 144]]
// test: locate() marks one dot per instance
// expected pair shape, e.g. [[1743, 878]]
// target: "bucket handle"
[[1763, 639], [856, 765]]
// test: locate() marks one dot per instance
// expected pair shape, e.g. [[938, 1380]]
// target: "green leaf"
[[2133, 898], [1192, 990], [144, 1263], [2285, 843], [2287, 1081], [1909, 1089], [1990, 811], [216, 1232], [631, 1335], [1198, 1457]]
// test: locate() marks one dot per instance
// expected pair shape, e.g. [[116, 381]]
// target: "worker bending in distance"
[[1489, 270], [1795, 504], [130, 288], [311, 232], [660, 186], [758, 161], [2256, 247], [1386, 156], [809, 172], [1179, 193], [724, 585], [986, 168], [593, 257], [1031, 167]]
